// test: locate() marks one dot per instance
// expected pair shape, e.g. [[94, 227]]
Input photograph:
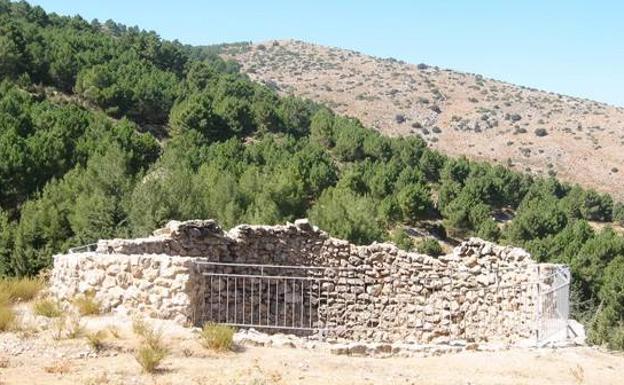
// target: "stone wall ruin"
[[479, 292]]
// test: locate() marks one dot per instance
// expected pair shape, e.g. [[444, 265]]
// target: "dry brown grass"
[[86, 304], [100, 379], [578, 374], [21, 289], [47, 307], [58, 367], [7, 318], [68, 327], [114, 331], [96, 340]]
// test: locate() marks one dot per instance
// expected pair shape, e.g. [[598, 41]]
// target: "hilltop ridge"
[[542, 133]]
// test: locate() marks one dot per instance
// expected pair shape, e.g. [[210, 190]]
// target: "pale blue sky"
[[570, 47]]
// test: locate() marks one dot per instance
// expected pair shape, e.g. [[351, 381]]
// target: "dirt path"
[[190, 364], [36, 356]]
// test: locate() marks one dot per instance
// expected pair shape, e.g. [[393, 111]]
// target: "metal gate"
[[553, 304], [301, 300], [263, 296]]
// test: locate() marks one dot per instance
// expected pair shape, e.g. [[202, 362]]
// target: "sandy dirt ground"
[[36, 358]]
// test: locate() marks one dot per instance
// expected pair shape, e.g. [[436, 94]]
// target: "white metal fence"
[[553, 304]]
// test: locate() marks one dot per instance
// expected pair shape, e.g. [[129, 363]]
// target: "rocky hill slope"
[[578, 140]]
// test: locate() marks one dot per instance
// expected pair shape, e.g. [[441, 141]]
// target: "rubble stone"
[[377, 293]]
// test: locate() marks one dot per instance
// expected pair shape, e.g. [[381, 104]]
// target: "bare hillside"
[[578, 140]]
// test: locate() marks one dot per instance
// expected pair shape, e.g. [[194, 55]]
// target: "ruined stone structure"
[[297, 275]]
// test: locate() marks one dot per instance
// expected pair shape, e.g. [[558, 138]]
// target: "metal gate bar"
[[295, 299], [277, 299]]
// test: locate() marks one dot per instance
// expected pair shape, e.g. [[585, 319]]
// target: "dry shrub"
[[96, 340], [70, 328], [24, 328], [21, 289], [139, 327], [217, 337], [5, 299], [152, 349], [58, 367], [87, 304], [7, 318], [578, 373], [114, 331], [100, 379], [75, 328], [47, 307], [149, 358], [58, 328]]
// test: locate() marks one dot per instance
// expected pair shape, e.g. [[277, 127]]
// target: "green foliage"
[[402, 239], [536, 218], [196, 113], [429, 246], [414, 202], [235, 151], [347, 215], [618, 213]]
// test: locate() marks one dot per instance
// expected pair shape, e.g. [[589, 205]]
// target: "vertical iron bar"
[[211, 289], [244, 281], [235, 299], [318, 306], [276, 301], [269, 301], [285, 309], [227, 299], [203, 295], [310, 303], [301, 321], [219, 310], [251, 284]]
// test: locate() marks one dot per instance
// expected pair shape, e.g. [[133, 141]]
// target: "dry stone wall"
[[377, 292]]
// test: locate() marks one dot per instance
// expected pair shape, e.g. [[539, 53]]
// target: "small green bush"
[[402, 240], [47, 308], [430, 246], [149, 358], [217, 337], [541, 132]]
